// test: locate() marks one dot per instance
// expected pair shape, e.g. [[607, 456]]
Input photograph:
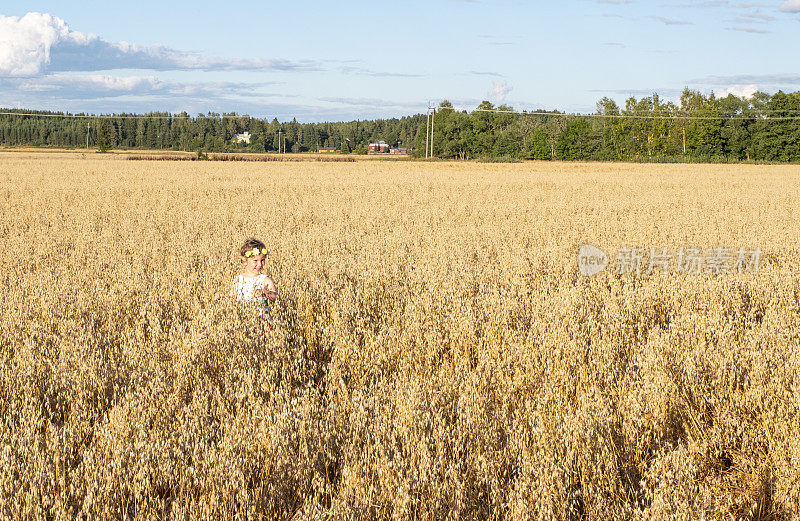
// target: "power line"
[[496, 111], [103, 116], [633, 116]]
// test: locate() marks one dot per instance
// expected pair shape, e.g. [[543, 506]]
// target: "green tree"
[[538, 145], [704, 131], [576, 142], [104, 135]]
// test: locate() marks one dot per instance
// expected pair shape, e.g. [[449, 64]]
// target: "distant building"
[[398, 150], [327, 150], [241, 138], [380, 146]]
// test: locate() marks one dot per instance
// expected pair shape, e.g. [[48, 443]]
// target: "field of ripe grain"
[[436, 353]]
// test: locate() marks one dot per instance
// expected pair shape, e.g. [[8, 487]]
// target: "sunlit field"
[[436, 353]]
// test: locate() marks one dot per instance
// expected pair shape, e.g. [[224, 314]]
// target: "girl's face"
[[253, 264]]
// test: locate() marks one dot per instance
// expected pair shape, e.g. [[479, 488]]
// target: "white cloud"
[[26, 43], [791, 6], [662, 92], [754, 17], [91, 85], [500, 89], [740, 79], [71, 87], [749, 29], [123, 84], [486, 73], [353, 69], [39, 43], [670, 21], [740, 91], [377, 103]]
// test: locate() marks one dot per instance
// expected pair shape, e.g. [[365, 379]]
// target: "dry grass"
[[162, 157], [436, 356], [259, 158], [283, 157]]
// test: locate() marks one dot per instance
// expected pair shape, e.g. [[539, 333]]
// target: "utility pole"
[[279, 141], [684, 141], [87, 135], [427, 128], [433, 118]]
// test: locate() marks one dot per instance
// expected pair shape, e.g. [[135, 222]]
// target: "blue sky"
[[321, 61]]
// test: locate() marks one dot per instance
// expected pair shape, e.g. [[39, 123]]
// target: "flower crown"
[[255, 251]]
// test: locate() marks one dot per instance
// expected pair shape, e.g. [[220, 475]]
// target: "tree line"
[[697, 128], [206, 132]]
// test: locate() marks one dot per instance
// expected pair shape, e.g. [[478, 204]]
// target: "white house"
[[238, 138]]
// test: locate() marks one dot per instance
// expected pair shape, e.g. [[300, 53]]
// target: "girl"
[[251, 286]]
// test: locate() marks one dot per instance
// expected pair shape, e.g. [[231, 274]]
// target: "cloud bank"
[[777, 79], [40, 43], [93, 86], [790, 6]]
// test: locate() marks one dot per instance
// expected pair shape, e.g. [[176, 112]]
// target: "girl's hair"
[[251, 243]]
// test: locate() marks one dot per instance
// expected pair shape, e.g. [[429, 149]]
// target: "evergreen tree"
[[104, 135]]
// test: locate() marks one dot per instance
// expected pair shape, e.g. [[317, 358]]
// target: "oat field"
[[436, 353]]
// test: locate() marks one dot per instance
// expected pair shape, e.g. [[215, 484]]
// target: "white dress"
[[246, 288], [245, 293]]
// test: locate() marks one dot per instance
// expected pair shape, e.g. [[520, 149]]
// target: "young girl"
[[251, 287]]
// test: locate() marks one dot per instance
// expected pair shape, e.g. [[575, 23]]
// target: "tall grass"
[[260, 158], [436, 355]]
